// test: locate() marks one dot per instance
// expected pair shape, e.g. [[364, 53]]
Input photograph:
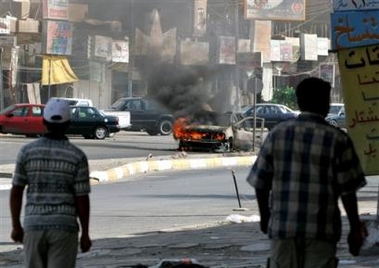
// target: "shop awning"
[[57, 70]]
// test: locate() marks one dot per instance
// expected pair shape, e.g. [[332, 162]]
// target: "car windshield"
[[118, 105], [244, 109], [9, 108], [334, 109], [285, 109]]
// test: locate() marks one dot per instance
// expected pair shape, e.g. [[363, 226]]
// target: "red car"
[[26, 119], [23, 118]]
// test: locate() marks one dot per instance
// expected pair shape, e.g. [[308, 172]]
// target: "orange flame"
[[182, 131]]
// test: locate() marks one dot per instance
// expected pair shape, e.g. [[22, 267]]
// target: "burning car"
[[215, 132]]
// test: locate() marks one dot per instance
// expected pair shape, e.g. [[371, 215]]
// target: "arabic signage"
[[287, 10], [345, 5], [360, 83], [58, 37], [354, 29]]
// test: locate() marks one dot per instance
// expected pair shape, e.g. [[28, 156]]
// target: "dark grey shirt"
[[54, 171]]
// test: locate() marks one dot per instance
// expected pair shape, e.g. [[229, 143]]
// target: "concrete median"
[[140, 167]]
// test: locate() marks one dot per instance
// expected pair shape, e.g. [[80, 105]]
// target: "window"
[[134, 105], [36, 111], [22, 111]]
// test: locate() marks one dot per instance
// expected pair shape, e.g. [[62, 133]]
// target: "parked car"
[[23, 118], [76, 101], [335, 108], [220, 132], [91, 124], [27, 119], [145, 115], [272, 113], [337, 120]]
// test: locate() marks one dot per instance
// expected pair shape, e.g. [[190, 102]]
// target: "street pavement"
[[234, 242]]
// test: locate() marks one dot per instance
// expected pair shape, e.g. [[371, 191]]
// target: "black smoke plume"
[[181, 89]]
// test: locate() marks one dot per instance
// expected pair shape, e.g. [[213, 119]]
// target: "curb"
[[140, 167]]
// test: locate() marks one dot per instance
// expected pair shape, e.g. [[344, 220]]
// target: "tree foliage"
[[285, 96]]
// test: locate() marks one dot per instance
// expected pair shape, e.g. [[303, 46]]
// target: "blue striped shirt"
[[54, 171], [307, 164]]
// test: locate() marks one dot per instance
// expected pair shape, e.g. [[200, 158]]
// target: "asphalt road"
[[160, 200], [122, 145]]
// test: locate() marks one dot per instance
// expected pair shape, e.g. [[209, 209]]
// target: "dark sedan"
[[145, 115], [272, 113], [91, 124], [26, 119]]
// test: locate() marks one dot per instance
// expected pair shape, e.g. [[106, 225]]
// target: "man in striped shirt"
[[304, 166], [56, 175]]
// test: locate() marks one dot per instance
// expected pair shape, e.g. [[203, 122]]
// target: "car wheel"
[[165, 127], [100, 133]]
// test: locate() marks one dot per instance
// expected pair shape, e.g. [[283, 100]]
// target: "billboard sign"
[[120, 51], [356, 5], [354, 29], [281, 10], [58, 37]]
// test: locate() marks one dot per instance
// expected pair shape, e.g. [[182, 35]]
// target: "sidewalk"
[[220, 244], [223, 244]]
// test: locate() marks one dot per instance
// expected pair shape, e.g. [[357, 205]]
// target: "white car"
[[77, 101], [335, 108]]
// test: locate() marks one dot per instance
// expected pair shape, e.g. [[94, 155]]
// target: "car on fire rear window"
[[217, 132]]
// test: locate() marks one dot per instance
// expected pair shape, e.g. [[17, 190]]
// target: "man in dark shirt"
[[304, 166]]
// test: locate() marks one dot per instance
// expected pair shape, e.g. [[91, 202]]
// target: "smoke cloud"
[[183, 90]]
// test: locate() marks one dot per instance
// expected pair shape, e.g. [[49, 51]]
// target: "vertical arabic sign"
[[200, 18], [355, 38], [55, 9], [227, 52], [359, 69], [261, 37], [58, 37]]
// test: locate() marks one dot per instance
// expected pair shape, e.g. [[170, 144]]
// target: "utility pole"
[[1, 80], [237, 74], [131, 52]]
